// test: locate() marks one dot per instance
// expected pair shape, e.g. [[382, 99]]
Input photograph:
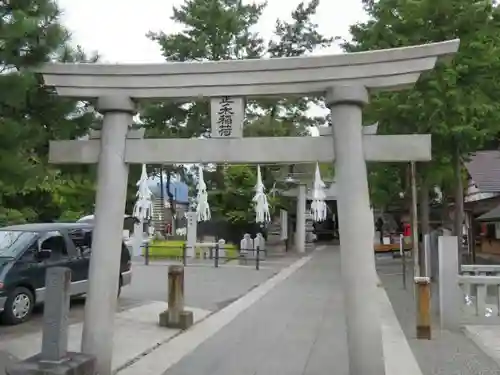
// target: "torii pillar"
[[112, 176], [359, 276], [343, 79]]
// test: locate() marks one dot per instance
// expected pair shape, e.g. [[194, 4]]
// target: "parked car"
[[128, 225], [27, 250]]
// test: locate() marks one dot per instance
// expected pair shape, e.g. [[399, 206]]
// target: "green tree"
[[456, 102], [223, 30], [293, 39], [234, 200], [213, 30], [30, 114]]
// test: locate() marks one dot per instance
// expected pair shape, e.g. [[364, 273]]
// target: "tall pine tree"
[[30, 114]]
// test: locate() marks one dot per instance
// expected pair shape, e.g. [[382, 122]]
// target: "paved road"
[[447, 353], [76, 315], [206, 287]]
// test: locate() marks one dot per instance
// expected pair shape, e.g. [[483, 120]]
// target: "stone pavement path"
[[298, 328], [6, 359], [447, 353], [75, 316], [207, 288]]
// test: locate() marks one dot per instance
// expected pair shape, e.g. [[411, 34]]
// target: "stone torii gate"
[[345, 81]]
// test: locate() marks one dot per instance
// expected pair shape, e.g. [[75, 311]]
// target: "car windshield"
[[14, 242]]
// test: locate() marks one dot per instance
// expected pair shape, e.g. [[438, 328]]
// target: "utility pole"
[[414, 219], [459, 204]]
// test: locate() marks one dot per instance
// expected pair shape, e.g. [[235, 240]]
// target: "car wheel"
[[19, 306]]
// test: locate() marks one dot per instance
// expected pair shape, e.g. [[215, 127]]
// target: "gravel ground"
[[448, 353]]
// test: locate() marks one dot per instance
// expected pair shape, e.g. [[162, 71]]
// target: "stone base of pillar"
[[73, 363], [186, 320]]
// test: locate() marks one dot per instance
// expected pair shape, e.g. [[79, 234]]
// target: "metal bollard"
[[176, 316], [216, 256], [257, 258], [423, 286], [146, 253], [184, 255]]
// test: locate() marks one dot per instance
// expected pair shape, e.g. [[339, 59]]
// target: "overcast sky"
[[117, 28]]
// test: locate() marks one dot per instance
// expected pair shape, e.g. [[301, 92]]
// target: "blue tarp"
[[179, 189]]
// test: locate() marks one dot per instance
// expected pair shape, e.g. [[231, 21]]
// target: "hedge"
[[173, 249]]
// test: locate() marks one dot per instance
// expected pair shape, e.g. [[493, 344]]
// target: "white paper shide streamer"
[[143, 209], [260, 199], [318, 205], [202, 207]]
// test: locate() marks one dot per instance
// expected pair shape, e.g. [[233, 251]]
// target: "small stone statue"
[[246, 245], [222, 248]]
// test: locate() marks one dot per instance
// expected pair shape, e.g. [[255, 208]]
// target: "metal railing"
[[214, 253], [481, 287], [243, 256]]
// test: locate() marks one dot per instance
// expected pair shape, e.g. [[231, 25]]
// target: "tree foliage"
[[225, 30], [457, 101], [31, 115], [234, 200]]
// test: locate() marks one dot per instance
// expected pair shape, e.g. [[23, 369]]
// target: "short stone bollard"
[[175, 316], [54, 358]]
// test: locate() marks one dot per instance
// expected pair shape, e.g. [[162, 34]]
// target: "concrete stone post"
[[423, 285], [300, 235], [55, 314], [451, 298], [192, 227], [112, 173], [138, 238], [54, 358], [356, 227], [176, 316], [434, 255], [283, 225]]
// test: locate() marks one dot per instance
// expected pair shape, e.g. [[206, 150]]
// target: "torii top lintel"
[[383, 69]]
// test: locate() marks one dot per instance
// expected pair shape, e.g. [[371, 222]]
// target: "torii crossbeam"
[[344, 80], [259, 150]]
